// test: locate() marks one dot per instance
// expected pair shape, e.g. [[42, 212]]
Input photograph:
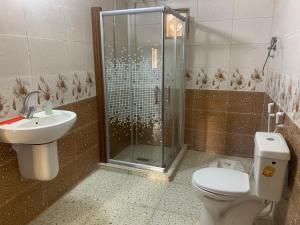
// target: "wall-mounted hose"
[[273, 46]]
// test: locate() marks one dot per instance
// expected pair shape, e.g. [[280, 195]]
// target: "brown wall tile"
[[239, 144], [86, 138], [86, 111], [208, 141], [243, 123], [87, 161], [67, 149], [237, 115], [206, 100], [188, 137], [245, 102], [202, 138], [208, 120], [24, 207], [188, 118], [11, 183], [189, 98], [6, 153]]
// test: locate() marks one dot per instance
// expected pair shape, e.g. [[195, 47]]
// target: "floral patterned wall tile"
[[284, 89], [189, 79], [52, 88], [65, 88], [83, 85], [210, 79], [60, 89], [246, 79], [12, 93], [237, 79]]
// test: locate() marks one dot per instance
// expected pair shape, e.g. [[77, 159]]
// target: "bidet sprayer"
[[272, 47]]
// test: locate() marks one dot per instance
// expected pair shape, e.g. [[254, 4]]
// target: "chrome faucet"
[[27, 111]]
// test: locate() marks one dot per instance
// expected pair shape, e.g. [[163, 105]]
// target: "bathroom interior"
[[149, 112]]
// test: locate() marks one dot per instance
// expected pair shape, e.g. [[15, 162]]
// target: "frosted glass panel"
[[143, 89]]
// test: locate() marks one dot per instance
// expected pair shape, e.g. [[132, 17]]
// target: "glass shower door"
[[133, 80], [143, 78], [179, 88], [173, 71], [146, 44], [118, 90]]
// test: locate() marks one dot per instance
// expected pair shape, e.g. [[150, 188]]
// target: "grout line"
[[29, 55]]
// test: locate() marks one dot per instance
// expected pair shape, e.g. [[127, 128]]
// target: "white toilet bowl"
[[226, 195]]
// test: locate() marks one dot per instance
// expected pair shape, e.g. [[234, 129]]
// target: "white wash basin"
[[40, 129], [35, 142]]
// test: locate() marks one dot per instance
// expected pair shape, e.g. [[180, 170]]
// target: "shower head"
[[273, 44]]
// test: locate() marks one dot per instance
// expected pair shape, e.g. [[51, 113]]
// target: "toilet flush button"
[[270, 139]]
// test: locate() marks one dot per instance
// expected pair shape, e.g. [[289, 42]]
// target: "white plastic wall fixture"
[[270, 107], [279, 115], [38, 162]]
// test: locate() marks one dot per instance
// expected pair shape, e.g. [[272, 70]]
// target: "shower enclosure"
[[143, 74]]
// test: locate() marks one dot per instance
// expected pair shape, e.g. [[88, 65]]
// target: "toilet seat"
[[221, 182], [213, 195]]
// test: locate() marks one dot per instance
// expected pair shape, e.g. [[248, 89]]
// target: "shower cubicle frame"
[[164, 10]]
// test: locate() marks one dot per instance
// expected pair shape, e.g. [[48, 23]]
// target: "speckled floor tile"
[[102, 185], [184, 174], [67, 211], [114, 198], [141, 191], [166, 218], [186, 169], [115, 213], [180, 199]]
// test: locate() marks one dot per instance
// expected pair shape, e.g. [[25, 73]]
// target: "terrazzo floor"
[[114, 198]]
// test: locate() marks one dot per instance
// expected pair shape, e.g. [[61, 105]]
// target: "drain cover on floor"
[[142, 159]]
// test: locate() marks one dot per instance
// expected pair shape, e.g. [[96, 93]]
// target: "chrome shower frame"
[[164, 10]]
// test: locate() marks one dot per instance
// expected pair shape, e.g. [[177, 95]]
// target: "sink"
[[40, 129], [35, 141]]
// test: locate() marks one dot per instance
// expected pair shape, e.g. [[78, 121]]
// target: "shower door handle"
[[156, 95]]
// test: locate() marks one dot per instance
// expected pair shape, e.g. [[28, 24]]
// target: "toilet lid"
[[222, 181]]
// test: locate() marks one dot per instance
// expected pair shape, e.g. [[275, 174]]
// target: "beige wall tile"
[[14, 57], [253, 8], [49, 56], [215, 10], [44, 19], [12, 20], [256, 30]]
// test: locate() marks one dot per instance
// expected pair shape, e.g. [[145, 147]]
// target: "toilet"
[[232, 197]]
